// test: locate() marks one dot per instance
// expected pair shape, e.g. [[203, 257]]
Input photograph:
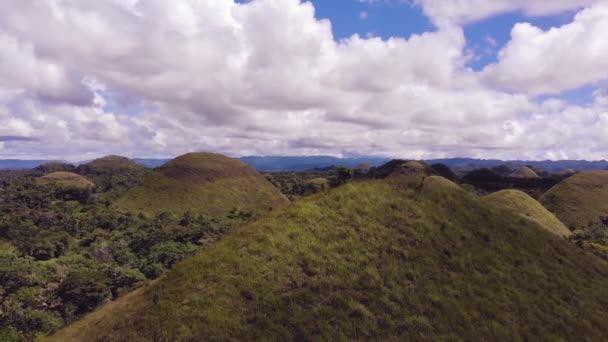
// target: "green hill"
[[413, 168], [113, 173], [580, 200], [53, 167], [66, 180], [202, 183], [376, 260], [524, 172], [522, 204]]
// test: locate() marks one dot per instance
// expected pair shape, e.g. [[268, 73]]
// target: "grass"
[[202, 183], [377, 260], [524, 172], [522, 204], [113, 162], [66, 179], [580, 200]]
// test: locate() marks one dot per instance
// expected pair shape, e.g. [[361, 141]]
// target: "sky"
[[507, 79]]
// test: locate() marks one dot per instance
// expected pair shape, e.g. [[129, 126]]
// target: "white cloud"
[[158, 78], [363, 15], [547, 62], [465, 11]]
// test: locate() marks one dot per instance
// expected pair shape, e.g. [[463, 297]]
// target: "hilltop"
[[374, 260], [112, 161], [203, 183], [54, 167], [66, 180], [524, 172], [580, 200], [113, 173], [522, 204]]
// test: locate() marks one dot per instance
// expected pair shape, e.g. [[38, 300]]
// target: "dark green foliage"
[[83, 291], [344, 174], [113, 174], [295, 185], [61, 255]]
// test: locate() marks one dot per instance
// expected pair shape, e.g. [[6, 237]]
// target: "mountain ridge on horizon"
[[303, 163]]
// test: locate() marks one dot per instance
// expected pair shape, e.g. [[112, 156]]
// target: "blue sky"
[[484, 37]]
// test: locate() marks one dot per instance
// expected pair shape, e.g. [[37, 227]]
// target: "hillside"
[[524, 172], [522, 204], [202, 183], [113, 173], [372, 260], [54, 167], [580, 200], [66, 180]]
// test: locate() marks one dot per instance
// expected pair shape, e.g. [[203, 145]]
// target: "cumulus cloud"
[[548, 62], [465, 11], [158, 78]]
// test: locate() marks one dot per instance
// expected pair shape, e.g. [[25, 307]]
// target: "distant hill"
[[294, 163], [113, 173], [307, 163], [54, 167], [468, 164], [203, 183], [522, 204], [374, 260], [524, 172], [66, 180], [16, 164], [580, 200], [150, 163]]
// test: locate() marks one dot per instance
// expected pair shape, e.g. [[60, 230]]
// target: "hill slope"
[[522, 204], [113, 173], [203, 183], [66, 180], [524, 172], [580, 200], [371, 260]]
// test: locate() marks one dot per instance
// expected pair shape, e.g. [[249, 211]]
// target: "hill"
[[373, 260], [294, 163], [524, 172], [204, 183], [567, 172], [113, 173], [66, 180], [580, 200], [522, 204], [54, 167]]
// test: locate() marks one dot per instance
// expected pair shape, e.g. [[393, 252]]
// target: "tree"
[[344, 174]]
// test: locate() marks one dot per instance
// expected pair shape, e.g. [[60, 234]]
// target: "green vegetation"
[[203, 183], [522, 204], [113, 174], [375, 260], [524, 172], [66, 180], [579, 202], [63, 251]]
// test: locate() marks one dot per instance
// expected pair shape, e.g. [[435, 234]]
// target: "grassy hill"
[[202, 183], [66, 180], [522, 204], [580, 200], [53, 167], [375, 260], [113, 173], [524, 172]]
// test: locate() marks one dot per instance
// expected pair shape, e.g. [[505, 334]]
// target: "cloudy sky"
[[399, 78]]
